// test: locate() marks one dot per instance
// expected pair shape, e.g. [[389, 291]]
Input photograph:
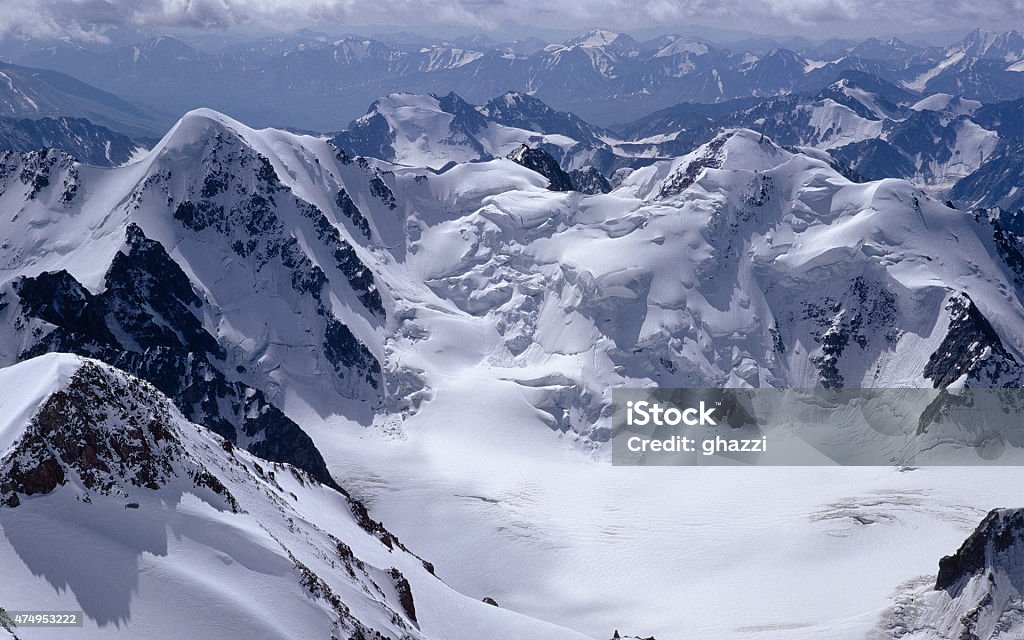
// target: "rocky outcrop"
[[971, 348], [106, 432], [541, 161]]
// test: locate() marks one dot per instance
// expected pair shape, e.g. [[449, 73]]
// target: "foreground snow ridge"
[[109, 494]]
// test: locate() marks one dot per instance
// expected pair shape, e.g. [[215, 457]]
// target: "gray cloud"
[[87, 19]]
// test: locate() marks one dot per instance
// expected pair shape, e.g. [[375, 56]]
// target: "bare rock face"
[[996, 545], [971, 347], [145, 323], [540, 161], [978, 593]]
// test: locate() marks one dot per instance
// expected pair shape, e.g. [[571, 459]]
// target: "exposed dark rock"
[[867, 311], [347, 353], [685, 176], [999, 539], [352, 212], [971, 347], [150, 303], [359, 276], [107, 431], [379, 189], [589, 180], [540, 161], [370, 135], [404, 591]]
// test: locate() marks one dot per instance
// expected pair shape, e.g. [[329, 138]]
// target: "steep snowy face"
[[199, 269], [109, 493], [979, 590]]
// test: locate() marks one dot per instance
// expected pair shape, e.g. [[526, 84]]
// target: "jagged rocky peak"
[[525, 111], [996, 546], [541, 161], [978, 593], [102, 431], [466, 115], [971, 352], [590, 181], [981, 586], [516, 106], [147, 321]]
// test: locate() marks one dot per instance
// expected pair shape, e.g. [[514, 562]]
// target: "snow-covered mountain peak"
[[682, 46], [1007, 46], [595, 38], [201, 130], [737, 149], [432, 131], [198, 126]]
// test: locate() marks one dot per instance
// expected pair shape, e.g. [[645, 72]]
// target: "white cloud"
[[86, 19]]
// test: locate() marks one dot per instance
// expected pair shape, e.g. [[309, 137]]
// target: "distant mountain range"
[[316, 82], [864, 126], [957, 147], [77, 137], [37, 93]]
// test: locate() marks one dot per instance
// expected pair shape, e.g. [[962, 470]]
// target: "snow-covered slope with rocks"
[[869, 126], [198, 270], [979, 590]]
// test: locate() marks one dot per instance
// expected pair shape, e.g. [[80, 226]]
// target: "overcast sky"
[[816, 19]]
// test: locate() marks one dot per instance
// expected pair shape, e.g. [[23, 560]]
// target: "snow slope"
[[165, 512]]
